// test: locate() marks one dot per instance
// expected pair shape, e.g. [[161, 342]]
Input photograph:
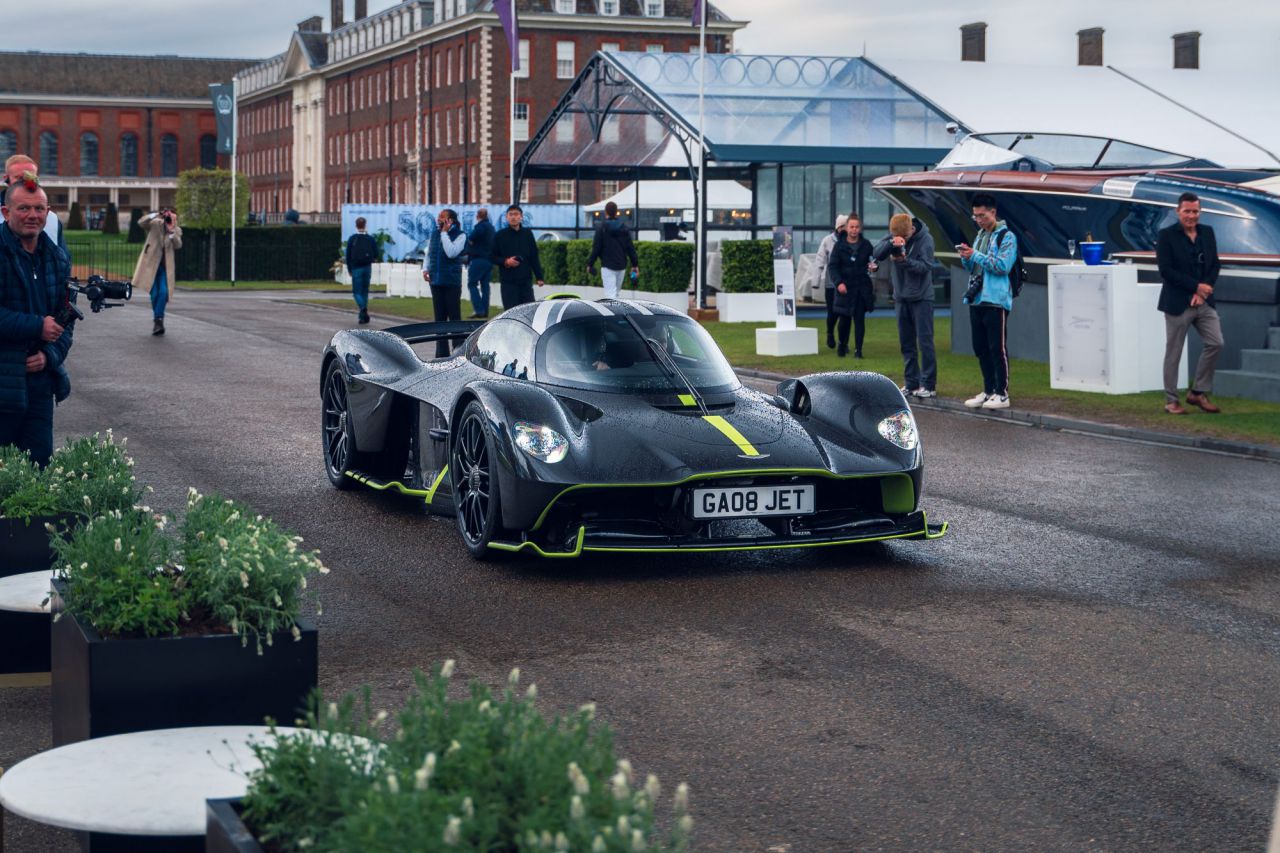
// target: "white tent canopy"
[[678, 196], [1229, 120]]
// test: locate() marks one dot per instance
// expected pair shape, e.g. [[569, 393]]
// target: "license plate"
[[747, 501]]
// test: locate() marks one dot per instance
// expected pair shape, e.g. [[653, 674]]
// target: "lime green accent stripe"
[[564, 294], [687, 400], [431, 492], [372, 483], [897, 495], [732, 434], [710, 475], [512, 547]]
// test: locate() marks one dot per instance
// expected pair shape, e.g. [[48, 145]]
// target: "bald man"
[[33, 346]]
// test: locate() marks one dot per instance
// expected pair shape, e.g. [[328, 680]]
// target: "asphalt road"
[[1090, 660]]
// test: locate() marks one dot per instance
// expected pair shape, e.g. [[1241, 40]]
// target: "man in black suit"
[[1188, 257]]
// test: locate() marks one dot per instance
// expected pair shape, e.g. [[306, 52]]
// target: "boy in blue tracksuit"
[[990, 299]]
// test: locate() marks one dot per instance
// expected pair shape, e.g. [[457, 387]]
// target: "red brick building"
[[412, 105], [110, 128]]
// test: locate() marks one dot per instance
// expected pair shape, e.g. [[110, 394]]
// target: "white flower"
[[452, 831], [562, 842], [468, 808], [421, 779], [624, 826], [333, 710], [483, 707], [652, 788], [682, 798], [637, 841], [588, 710], [532, 692], [118, 546], [620, 789], [454, 746], [302, 582], [393, 783], [579, 779], [380, 717], [514, 678], [222, 543], [597, 845], [446, 671], [50, 528], [685, 824], [89, 503], [624, 767], [297, 635], [545, 839], [576, 810], [244, 580]]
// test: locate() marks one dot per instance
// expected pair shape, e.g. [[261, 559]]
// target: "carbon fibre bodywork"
[[631, 461]]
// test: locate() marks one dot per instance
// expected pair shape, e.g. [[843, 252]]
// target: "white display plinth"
[[1105, 332], [801, 341]]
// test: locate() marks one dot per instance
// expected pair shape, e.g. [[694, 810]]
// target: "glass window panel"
[[1066, 151], [88, 153], [767, 195], [49, 153], [792, 195], [208, 151], [169, 155], [817, 195], [8, 144], [844, 197], [875, 208]]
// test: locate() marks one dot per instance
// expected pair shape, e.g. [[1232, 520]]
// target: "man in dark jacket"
[[362, 251], [851, 294], [515, 253], [442, 269], [612, 246], [481, 264], [909, 249], [1188, 257], [33, 346]]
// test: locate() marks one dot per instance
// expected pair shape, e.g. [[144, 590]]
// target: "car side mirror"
[[795, 395]]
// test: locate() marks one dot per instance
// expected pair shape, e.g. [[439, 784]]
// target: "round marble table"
[[143, 783], [26, 593]]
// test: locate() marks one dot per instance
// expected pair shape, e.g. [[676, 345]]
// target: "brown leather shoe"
[[1174, 408], [1202, 400]]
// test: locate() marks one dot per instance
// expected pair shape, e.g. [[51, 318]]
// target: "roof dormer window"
[[610, 7], [566, 7], [654, 8]]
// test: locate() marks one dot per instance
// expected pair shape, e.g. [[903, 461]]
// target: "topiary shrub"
[[136, 234], [75, 219], [747, 266], [576, 254], [552, 255], [664, 267], [111, 221]]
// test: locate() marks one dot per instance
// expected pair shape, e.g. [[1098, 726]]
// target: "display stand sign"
[[785, 338]]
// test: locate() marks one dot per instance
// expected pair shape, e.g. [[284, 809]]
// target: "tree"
[[204, 198], [136, 234], [111, 221], [75, 219]]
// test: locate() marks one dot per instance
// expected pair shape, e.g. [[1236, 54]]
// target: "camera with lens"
[[96, 291], [896, 250], [974, 288]]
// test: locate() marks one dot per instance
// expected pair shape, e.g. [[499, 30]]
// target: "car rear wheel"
[[475, 485], [340, 454]]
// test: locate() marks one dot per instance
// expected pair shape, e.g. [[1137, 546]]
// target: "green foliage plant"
[[478, 773], [111, 220], [665, 267], [575, 257], [747, 266], [552, 254], [75, 217], [136, 234], [85, 476], [204, 198]]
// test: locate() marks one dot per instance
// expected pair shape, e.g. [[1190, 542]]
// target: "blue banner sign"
[[408, 227]]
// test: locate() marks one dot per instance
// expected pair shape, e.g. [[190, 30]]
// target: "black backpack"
[[363, 251], [1018, 274]]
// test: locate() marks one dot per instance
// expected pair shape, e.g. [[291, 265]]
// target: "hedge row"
[[664, 267], [747, 266], [272, 253]]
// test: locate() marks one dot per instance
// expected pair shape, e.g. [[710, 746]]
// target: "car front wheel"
[[474, 480]]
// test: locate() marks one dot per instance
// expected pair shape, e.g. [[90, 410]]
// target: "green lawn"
[[958, 377], [326, 285]]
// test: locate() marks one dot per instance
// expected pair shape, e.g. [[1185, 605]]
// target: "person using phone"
[[909, 251], [990, 299], [156, 269]]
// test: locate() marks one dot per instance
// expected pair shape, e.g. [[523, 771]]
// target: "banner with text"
[[222, 95]]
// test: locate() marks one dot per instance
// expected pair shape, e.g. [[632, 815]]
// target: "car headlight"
[[900, 429], [540, 442]]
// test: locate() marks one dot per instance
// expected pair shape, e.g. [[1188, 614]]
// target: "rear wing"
[[417, 333]]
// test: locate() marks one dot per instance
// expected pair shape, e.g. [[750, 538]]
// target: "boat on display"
[[1053, 188]]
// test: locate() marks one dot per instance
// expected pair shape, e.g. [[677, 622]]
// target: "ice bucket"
[[1092, 252]]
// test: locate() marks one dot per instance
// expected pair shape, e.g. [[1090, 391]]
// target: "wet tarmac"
[[1089, 661]]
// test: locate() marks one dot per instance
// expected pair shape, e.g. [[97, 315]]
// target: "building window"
[[436, 124], [448, 128], [526, 192], [653, 48], [129, 155], [523, 71], [439, 75], [448, 64], [608, 189], [208, 151], [653, 8], [49, 152], [566, 7], [461, 114], [610, 47], [8, 144], [473, 123], [564, 60], [520, 123], [609, 7], [475, 65], [564, 192], [88, 153], [169, 156]]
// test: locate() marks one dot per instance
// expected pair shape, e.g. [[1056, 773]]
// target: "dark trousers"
[[516, 294], [915, 338], [446, 302], [32, 430], [478, 285], [987, 325], [360, 277]]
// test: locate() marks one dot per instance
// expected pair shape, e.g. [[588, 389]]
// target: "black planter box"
[[226, 832], [105, 842], [110, 687], [24, 642], [25, 546]]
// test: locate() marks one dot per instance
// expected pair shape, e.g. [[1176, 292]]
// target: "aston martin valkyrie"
[[567, 426]]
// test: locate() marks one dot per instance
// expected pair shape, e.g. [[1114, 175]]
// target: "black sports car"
[[566, 426]]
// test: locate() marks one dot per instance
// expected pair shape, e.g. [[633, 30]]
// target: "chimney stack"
[[314, 24], [1186, 50], [335, 14], [362, 10], [1090, 46], [973, 42]]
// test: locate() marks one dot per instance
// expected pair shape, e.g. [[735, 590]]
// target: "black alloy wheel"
[[335, 429], [475, 485]]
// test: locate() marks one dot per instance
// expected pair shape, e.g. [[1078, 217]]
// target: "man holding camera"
[[14, 168], [515, 253], [156, 269], [989, 261], [33, 345], [909, 250]]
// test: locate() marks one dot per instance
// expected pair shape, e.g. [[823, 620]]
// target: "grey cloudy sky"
[[1239, 35]]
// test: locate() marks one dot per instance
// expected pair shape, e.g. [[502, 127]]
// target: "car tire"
[[336, 441], [477, 508]]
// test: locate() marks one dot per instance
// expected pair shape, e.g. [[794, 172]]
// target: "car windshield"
[[606, 354]]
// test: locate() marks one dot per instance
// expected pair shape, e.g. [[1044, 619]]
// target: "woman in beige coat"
[[155, 270]]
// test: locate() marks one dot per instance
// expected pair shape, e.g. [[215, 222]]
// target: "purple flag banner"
[[699, 9], [506, 10]]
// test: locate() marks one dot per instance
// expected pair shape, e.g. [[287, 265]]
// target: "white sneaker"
[[923, 392], [997, 401], [978, 401]]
